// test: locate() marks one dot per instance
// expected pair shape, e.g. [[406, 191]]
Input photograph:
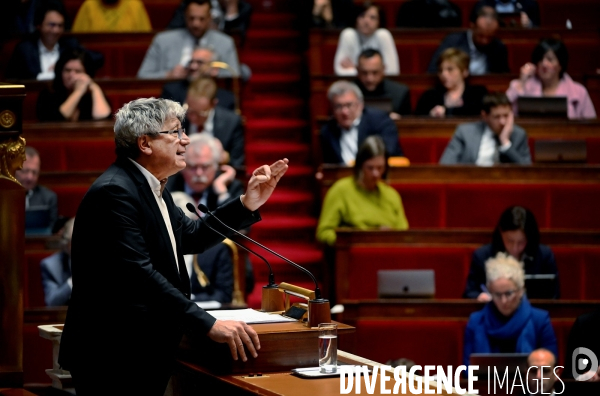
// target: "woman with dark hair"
[[453, 96], [74, 96], [363, 200], [518, 235], [367, 34], [546, 75]]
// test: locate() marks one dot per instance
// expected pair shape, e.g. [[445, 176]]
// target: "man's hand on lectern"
[[236, 334]]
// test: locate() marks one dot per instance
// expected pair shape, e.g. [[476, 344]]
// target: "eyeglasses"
[[199, 62], [342, 106], [175, 133], [203, 167], [508, 294]]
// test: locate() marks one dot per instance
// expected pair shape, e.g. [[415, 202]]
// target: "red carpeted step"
[[284, 40], [273, 84], [260, 6], [291, 227], [266, 152], [270, 106], [285, 201], [272, 20], [275, 129], [270, 62]]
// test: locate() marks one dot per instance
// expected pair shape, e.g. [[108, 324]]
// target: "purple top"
[[578, 100]]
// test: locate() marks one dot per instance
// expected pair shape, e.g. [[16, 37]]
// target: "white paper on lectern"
[[208, 304], [249, 316]]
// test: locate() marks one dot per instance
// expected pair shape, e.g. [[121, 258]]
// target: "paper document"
[[208, 304], [249, 316]]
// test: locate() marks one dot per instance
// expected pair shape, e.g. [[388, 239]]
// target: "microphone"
[[318, 297], [272, 283]]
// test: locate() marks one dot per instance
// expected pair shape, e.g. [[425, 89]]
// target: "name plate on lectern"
[[284, 346]]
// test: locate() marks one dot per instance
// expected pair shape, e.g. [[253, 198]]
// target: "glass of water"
[[328, 347]]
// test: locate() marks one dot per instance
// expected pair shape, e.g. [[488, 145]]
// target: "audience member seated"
[[229, 16], [453, 96], [171, 51], [518, 235], [331, 13], [542, 372], [546, 75], [529, 10], [112, 16], [74, 96], [495, 139], [363, 200], [204, 116], [198, 66], [209, 183], [56, 271], [373, 84], [488, 54], [210, 272], [35, 57], [352, 123], [19, 15], [508, 323], [36, 196], [583, 334], [428, 14], [367, 34]]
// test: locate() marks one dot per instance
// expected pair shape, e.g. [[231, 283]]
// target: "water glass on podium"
[[328, 347]]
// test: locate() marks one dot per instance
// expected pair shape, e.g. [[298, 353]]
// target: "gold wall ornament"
[[7, 118], [12, 156]]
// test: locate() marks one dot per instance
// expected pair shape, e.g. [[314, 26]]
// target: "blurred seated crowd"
[[196, 49]]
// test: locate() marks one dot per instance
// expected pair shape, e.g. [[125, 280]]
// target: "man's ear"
[[144, 144]]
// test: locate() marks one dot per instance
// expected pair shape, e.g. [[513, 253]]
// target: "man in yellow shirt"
[[96, 16]]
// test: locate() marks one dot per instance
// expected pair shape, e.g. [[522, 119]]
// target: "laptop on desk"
[[383, 104], [406, 283], [501, 362], [542, 106], [540, 285], [37, 221], [560, 151]]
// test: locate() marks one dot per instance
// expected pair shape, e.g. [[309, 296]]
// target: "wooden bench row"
[[416, 47], [419, 83], [432, 331], [577, 263]]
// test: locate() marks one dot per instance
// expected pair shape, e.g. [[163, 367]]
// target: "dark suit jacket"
[[56, 269], [463, 148], [542, 263], [496, 52], [584, 333], [24, 64], [397, 92], [217, 266], [472, 98], [177, 91], [227, 127], [235, 189], [130, 301], [529, 7], [373, 122]]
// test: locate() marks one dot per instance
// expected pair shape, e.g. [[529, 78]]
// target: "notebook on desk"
[[405, 283], [542, 106], [557, 151], [500, 361]]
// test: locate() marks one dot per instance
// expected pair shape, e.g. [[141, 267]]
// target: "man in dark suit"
[[199, 66], [529, 10], [204, 116], [34, 58], [37, 197], [130, 302], [495, 139], [488, 54], [373, 84], [352, 122], [56, 271]]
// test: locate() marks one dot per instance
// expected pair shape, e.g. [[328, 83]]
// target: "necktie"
[[163, 183]]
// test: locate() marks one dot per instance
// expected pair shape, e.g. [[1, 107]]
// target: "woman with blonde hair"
[[508, 323]]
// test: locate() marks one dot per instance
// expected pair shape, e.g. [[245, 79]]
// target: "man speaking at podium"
[[130, 302]]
